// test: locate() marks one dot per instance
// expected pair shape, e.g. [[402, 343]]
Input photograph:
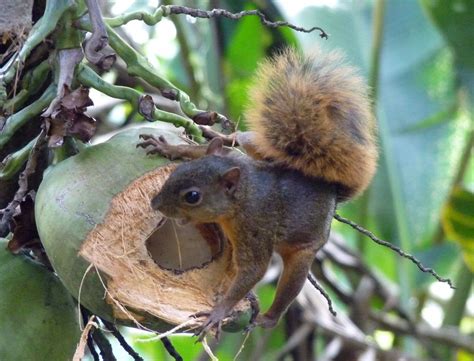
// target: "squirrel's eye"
[[192, 197]]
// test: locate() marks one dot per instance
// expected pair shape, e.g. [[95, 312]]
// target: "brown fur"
[[313, 114]]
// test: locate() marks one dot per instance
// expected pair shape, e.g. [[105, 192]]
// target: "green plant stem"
[[91, 79], [137, 65], [12, 164], [373, 80], [15, 121], [465, 158], [376, 50], [67, 36], [32, 82], [405, 273], [53, 12], [455, 308], [147, 18], [185, 54]]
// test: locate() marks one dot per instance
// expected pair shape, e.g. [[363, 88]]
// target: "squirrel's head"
[[201, 190]]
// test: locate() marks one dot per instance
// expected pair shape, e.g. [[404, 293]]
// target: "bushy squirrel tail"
[[313, 114]]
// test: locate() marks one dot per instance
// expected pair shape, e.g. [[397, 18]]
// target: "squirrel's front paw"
[[158, 145], [214, 319]]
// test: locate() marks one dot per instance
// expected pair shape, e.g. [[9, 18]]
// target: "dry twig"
[[207, 14], [394, 248]]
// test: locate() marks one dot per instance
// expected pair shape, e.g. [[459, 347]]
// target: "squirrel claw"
[[214, 320], [158, 145], [204, 330]]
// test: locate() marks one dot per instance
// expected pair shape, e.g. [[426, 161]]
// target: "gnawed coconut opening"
[[152, 265], [181, 248]]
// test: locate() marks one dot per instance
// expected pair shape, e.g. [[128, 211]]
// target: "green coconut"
[[121, 259], [38, 316]]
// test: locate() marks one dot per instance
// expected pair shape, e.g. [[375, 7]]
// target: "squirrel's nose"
[[156, 202]]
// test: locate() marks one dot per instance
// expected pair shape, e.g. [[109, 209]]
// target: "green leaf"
[[245, 50], [455, 20], [38, 318], [458, 222]]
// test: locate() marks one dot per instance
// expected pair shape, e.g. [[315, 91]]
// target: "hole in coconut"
[[183, 247]]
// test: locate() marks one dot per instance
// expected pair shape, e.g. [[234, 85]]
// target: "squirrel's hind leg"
[[296, 262]]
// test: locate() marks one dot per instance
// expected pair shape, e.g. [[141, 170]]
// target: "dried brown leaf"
[[23, 226], [68, 118]]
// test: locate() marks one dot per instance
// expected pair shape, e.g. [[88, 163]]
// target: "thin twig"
[[110, 326], [185, 54], [207, 14], [170, 349], [393, 248], [321, 290]]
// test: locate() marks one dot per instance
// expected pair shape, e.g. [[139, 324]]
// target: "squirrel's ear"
[[230, 179], [215, 147]]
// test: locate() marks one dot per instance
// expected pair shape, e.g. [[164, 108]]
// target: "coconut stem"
[[32, 81], [17, 120], [90, 78]]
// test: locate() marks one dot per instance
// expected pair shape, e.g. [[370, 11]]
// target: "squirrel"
[[310, 145]]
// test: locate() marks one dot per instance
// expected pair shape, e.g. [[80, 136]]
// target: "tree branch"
[[446, 335]]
